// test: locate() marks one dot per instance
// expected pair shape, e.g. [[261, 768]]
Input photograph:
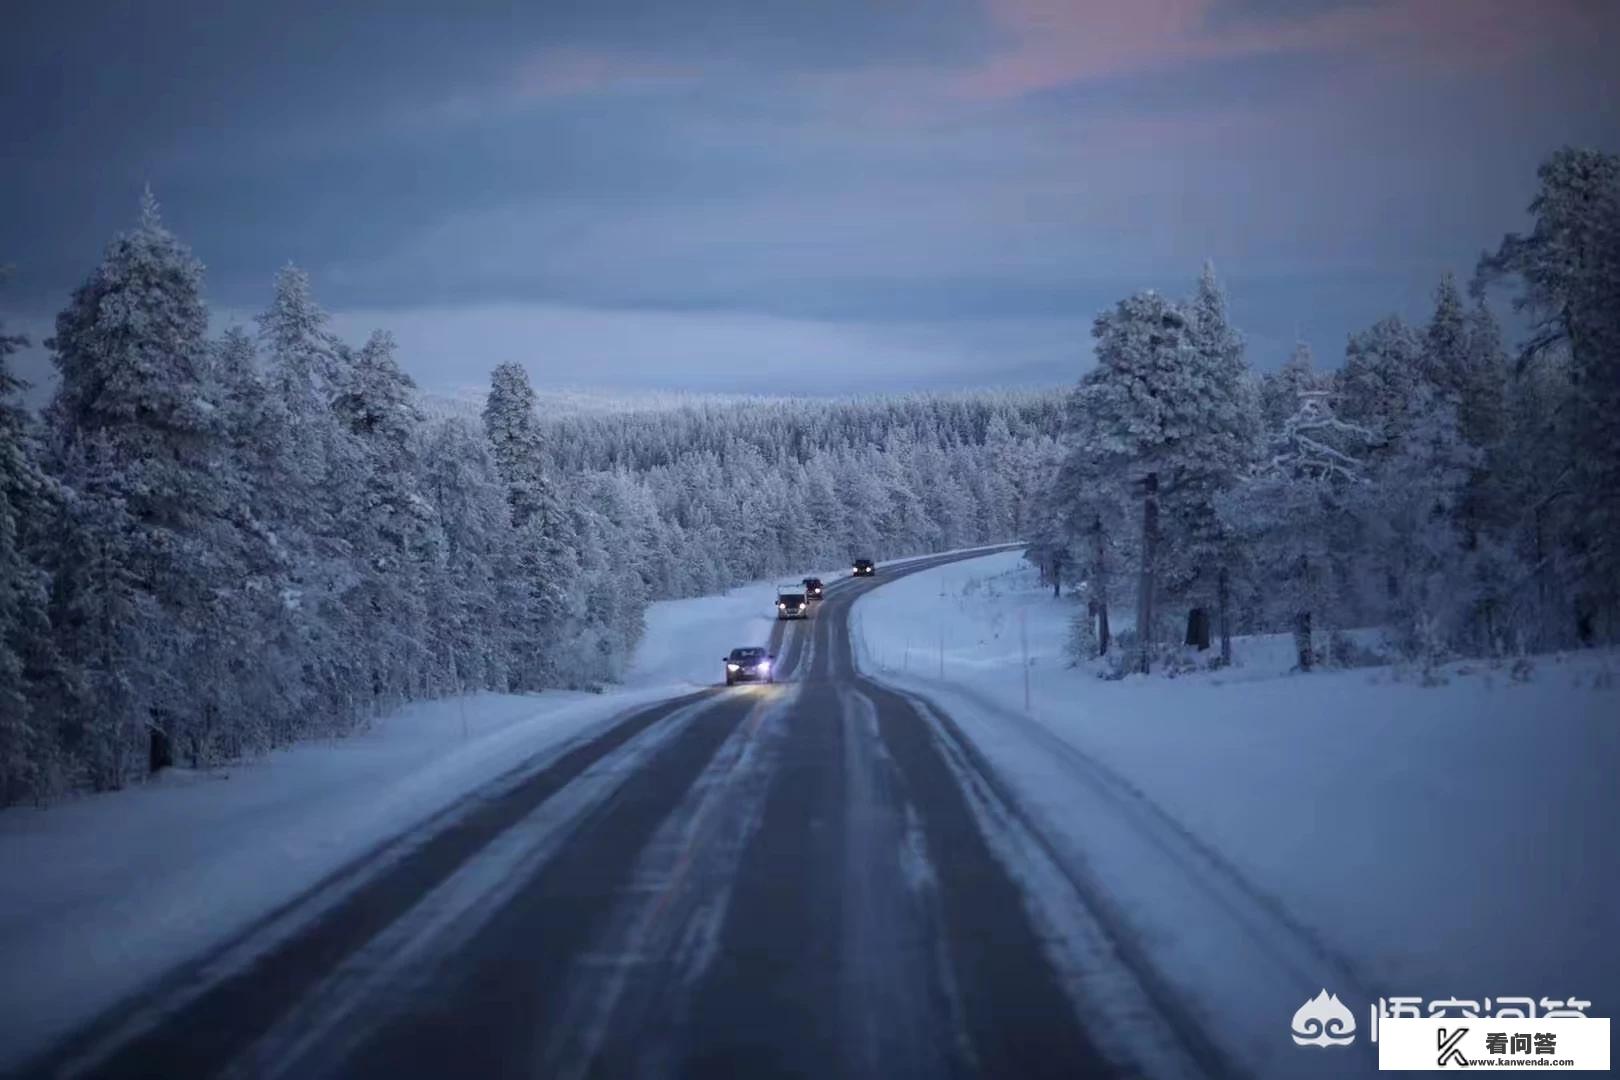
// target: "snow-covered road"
[[883, 865], [772, 879], [1248, 838], [99, 896]]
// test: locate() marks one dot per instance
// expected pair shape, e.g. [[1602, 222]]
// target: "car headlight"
[[764, 666], [731, 667]]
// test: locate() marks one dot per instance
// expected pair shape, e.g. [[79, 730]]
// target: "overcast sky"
[[792, 195]]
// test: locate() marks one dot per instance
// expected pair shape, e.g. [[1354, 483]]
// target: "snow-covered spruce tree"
[[1409, 515], [1297, 513], [1566, 269], [1383, 365], [29, 758], [469, 596], [1081, 536], [1005, 482], [550, 605], [1534, 471], [1280, 390], [131, 352], [1445, 362], [1166, 410], [1203, 554], [106, 623], [1482, 405], [1083, 543], [395, 536], [253, 658], [312, 473], [1134, 413], [1484, 515]]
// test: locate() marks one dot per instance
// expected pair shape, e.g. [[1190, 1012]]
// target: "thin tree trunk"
[[1302, 619], [1223, 603], [1100, 585], [1302, 639], [1144, 587]]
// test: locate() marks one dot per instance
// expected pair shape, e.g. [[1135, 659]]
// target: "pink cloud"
[[567, 72], [1053, 43]]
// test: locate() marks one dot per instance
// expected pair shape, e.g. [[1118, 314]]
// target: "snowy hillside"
[[1389, 837]]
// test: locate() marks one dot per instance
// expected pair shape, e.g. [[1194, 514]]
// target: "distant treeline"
[[211, 547]]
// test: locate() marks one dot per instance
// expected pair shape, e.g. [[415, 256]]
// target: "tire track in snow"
[[197, 1019], [1244, 937], [400, 964], [628, 990], [904, 1008]]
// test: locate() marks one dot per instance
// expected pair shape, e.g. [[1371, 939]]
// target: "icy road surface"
[[762, 881]]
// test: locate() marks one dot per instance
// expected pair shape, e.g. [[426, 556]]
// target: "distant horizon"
[[421, 354]]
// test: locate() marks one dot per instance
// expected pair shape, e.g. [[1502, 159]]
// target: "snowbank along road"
[[790, 879]]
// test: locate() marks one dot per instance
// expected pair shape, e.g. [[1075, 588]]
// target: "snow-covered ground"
[[1256, 832], [99, 895]]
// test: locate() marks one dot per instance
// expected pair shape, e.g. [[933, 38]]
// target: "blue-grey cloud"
[[876, 183]]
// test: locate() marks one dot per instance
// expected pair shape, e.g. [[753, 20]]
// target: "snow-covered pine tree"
[[1167, 410], [467, 601], [1003, 495], [1383, 366], [1566, 269], [132, 355], [1445, 357], [105, 620], [1082, 540], [1409, 525], [395, 536], [1487, 512], [1535, 473], [1280, 390], [1203, 552], [551, 606], [313, 473], [28, 750], [1297, 514]]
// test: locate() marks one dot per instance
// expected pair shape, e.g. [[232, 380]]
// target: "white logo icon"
[[1324, 1021]]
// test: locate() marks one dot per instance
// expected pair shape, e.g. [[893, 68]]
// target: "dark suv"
[[792, 605], [748, 664], [865, 568], [813, 588]]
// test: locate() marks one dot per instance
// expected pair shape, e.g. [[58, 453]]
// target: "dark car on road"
[[748, 664], [813, 588], [792, 605], [864, 568]]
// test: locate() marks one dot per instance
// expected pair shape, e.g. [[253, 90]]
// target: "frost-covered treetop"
[[1314, 444], [130, 345]]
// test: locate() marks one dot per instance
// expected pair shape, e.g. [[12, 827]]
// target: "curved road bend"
[[765, 881]]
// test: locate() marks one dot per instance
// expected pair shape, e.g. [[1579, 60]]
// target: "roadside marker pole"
[[1023, 642]]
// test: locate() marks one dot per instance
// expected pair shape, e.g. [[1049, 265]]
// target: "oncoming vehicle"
[[748, 664], [813, 588], [864, 568], [792, 605]]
